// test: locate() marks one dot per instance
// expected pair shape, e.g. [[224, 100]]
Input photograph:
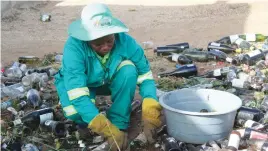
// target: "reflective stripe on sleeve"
[[69, 110], [93, 101], [77, 92], [146, 76]]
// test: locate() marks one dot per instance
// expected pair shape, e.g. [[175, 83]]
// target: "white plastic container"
[[186, 123]]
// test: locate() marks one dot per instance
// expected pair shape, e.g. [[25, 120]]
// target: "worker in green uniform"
[[100, 57]]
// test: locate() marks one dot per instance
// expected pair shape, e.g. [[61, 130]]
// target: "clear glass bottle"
[[231, 75], [58, 58], [147, 45], [41, 78], [15, 90], [14, 71], [33, 97]]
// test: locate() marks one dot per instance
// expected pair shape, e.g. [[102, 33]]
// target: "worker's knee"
[[127, 69]]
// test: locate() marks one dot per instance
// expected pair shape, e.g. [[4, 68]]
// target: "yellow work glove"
[[151, 111], [102, 126]]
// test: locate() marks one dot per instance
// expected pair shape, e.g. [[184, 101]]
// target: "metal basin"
[[186, 123]]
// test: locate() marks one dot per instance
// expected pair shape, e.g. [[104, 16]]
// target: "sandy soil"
[[24, 34]]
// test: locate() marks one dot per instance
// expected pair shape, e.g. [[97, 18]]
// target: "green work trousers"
[[122, 90]]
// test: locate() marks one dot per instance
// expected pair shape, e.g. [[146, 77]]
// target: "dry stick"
[[113, 136]]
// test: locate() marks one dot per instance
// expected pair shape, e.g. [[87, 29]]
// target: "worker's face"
[[103, 45]]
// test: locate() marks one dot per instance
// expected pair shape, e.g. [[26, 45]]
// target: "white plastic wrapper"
[[29, 147]]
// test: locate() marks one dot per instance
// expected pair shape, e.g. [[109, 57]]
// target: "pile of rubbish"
[[32, 118], [245, 74]]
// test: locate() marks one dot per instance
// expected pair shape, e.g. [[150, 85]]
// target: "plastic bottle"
[[240, 83], [147, 45], [43, 80], [14, 71], [45, 18], [58, 58], [231, 75], [27, 80], [14, 91], [30, 79]]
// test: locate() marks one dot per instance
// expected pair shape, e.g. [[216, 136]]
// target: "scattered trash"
[[183, 71], [175, 48], [147, 45], [30, 60], [32, 118], [244, 74], [45, 18], [29, 147], [58, 128], [58, 58], [33, 97]]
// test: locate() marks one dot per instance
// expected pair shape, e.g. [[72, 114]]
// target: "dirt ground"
[[22, 33]]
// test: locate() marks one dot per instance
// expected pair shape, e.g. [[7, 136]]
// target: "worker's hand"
[[102, 126], [151, 111]]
